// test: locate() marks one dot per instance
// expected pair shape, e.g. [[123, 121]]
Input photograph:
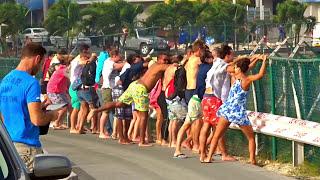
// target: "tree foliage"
[[222, 17], [62, 17], [13, 15], [291, 13], [110, 17], [175, 14]]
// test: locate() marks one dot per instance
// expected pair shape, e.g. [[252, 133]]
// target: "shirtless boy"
[[137, 93]]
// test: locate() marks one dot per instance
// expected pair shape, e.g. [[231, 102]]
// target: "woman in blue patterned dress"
[[234, 109]]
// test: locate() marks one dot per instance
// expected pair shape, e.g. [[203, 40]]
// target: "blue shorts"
[[88, 95], [123, 113]]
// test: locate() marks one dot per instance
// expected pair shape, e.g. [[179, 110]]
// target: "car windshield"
[[147, 32], [39, 30]]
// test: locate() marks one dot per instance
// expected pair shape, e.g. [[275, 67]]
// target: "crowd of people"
[[194, 97]]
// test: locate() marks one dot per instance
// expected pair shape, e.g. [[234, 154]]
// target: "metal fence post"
[[273, 109]]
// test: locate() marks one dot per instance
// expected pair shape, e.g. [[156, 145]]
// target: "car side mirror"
[[51, 167]]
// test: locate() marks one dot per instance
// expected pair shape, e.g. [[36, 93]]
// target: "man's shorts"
[[210, 105], [124, 113], [74, 99], [27, 154], [194, 109], [58, 98], [106, 97], [138, 94], [177, 109], [88, 95]]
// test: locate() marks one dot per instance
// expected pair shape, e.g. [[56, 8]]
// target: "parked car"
[[145, 39], [58, 41], [81, 40], [35, 34], [45, 166]]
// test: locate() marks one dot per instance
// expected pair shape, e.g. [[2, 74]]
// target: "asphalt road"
[[105, 159]]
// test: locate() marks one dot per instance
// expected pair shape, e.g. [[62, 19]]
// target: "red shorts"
[[210, 105]]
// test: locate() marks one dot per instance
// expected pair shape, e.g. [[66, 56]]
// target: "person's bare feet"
[[202, 158], [104, 136], [207, 160], [123, 142], [253, 162], [128, 140], [64, 126], [145, 145], [73, 131], [164, 143], [228, 158], [196, 150], [173, 145], [187, 145], [158, 142]]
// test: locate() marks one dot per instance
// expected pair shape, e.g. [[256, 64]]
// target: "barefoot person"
[[137, 92], [76, 66], [217, 90], [194, 109], [234, 109], [109, 72], [86, 92], [177, 106]]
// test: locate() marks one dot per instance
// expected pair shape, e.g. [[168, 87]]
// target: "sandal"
[[180, 156]]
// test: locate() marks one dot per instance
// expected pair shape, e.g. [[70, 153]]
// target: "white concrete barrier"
[[297, 130]]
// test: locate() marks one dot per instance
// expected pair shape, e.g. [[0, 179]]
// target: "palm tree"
[[63, 17]]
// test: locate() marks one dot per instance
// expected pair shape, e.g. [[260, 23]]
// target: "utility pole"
[[45, 9]]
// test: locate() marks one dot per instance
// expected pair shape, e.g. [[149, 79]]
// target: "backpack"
[[76, 84], [52, 69], [177, 86], [89, 74]]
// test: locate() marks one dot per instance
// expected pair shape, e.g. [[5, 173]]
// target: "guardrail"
[[297, 130]]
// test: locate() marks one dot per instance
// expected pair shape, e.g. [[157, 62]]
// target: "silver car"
[[45, 166], [144, 40], [35, 34]]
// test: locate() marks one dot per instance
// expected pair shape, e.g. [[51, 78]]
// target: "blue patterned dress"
[[234, 109]]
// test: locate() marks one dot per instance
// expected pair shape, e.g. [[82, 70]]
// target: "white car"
[[58, 41], [36, 34], [81, 40]]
